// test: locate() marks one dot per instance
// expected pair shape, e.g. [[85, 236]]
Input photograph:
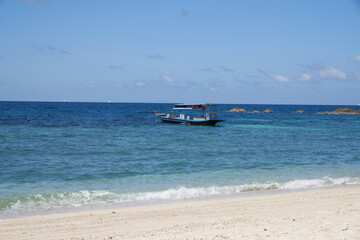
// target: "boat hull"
[[207, 122], [172, 120]]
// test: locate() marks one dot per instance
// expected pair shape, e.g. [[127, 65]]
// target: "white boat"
[[191, 114]]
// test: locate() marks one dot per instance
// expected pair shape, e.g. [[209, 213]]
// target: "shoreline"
[[150, 203], [321, 213]]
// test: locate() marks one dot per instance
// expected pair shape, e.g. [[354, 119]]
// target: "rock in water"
[[345, 111], [300, 111], [342, 111], [237, 109], [268, 111]]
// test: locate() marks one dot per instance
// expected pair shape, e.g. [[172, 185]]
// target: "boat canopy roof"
[[192, 105]]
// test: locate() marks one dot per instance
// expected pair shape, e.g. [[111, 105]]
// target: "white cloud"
[[168, 79], [332, 73], [140, 84], [278, 78], [305, 77], [357, 58], [212, 89], [315, 73]]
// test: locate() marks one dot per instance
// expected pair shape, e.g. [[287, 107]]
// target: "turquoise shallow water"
[[57, 156]]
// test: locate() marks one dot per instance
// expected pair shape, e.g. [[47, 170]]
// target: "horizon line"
[[116, 102]]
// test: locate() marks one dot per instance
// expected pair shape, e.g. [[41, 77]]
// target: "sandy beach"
[[332, 213]]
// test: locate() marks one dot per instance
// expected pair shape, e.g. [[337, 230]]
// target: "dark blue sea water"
[[58, 156]]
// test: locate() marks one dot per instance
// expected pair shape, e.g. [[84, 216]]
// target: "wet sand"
[[327, 213]]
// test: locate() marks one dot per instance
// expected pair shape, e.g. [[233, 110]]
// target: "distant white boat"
[[191, 118], [66, 101]]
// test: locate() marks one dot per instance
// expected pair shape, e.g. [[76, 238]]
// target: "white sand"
[[317, 214]]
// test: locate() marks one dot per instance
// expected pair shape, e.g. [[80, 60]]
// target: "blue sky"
[[261, 51]]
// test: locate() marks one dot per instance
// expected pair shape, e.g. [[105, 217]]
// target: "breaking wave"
[[42, 203]]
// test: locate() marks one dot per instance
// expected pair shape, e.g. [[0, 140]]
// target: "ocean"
[[57, 156]]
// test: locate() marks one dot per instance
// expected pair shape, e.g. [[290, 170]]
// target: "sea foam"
[[42, 203]]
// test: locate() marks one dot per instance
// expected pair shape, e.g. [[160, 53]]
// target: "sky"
[[218, 51]]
